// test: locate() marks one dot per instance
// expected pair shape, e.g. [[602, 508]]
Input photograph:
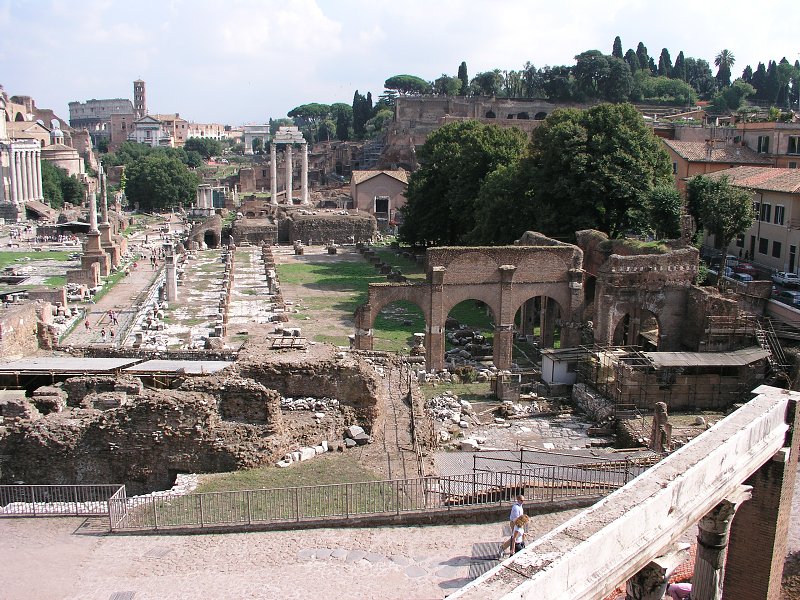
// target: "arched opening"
[[537, 325], [490, 114], [540, 116], [642, 331], [510, 116], [19, 117], [211, 238], [399, 327], [523, 115], [469, 334]]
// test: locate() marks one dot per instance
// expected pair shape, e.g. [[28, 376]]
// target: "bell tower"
[[139, 99]]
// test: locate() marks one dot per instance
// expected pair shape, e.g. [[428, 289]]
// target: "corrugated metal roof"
[[66, 364], [738, 358], [192, 367]]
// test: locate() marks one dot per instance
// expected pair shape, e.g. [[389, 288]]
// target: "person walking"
[[518, 533], [517, 510], [86, 324], [103, 334]]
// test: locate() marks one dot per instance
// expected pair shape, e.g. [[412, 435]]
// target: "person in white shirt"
[[517, 510]]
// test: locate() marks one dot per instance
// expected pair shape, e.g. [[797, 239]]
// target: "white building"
[[149, 130], [20, 171]]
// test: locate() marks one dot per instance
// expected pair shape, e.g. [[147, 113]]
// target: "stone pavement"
[[71, 558]]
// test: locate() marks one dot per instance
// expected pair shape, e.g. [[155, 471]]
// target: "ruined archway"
[[540, 116], [211, 238], [638, 328], [537, 325], [490, 114], [469, 333], [523, 115], [399, 326]]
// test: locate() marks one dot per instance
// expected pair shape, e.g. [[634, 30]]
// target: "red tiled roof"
[[362, 176], [771, 179], [700, 152]]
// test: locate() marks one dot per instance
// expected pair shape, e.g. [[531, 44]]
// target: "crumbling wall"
[[702, 303], [19, 328], [241, 400], [254, 231], [323, 227]]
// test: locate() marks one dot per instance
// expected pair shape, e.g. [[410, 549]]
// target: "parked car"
[[788, 279], [789, 297], [742, 277], [746, 268]]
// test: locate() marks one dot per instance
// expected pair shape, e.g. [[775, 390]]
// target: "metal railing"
[[54, 500], [373, 498]]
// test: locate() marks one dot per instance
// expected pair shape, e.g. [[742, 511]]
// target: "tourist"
[[517, 510], [103, 334], [86, 324], [518, 533], [679, 591]]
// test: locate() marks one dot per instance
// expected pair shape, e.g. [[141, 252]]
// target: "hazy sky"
[[243, 61]]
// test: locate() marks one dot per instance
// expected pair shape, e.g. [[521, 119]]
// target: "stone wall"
[[254, 231], [19, 329], [241, 400], [323, 227]]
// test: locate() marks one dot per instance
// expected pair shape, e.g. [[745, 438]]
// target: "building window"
[[674, 168], [792, 164], [776, 249], [794, 144], [740, 240], [779, 212], [766, 212], [763, 144], [763, 245], [756, 210]]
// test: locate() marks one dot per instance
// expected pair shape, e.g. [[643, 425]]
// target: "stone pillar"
[[304, 173], [19, 193], [434, 331], [273, 173], [103, 195], [503, 344], [547, 322], [38, 177], [171, 279], [712, 543], [288, 157], [759, 533], [29, 164], [26, 175], [93, 213], [14, 176]]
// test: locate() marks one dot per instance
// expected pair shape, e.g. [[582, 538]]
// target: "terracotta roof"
[[362, 176], [732, 154], [771, 179]]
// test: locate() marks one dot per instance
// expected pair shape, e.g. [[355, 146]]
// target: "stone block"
[[307, 453], [350, 443], [352, 431]]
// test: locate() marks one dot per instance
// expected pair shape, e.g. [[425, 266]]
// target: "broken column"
[[108, 244], [712, 545], [93, 252], [171, 284]]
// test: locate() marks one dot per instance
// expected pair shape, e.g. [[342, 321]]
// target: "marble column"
[[103, 195], [26, 175], [712, 545], [273, 173], [38, 174], [14, 176], [304, 173], [289, 167], [93, 213]]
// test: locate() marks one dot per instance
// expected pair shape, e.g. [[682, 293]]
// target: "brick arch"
[[637, 313], [502, 277]]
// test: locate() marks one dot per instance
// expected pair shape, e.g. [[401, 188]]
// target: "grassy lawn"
[[472, 392], [407, 267], [322, 470], [56, 281], [12, 258]]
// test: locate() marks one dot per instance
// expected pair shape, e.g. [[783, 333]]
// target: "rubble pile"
[[482, 375], [308, 403], [449, 410]]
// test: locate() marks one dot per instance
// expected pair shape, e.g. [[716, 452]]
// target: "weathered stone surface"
[[353, 430]]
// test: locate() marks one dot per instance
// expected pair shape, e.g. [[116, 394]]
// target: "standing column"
[[304, 173], [26, 175], [14, 176], [38, 174], [712, 545], [289, 167], [273, 173], [93, 214], [20, 182], [103, 195]]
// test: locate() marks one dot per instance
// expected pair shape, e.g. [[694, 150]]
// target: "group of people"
[[105, 335], [518, 521]]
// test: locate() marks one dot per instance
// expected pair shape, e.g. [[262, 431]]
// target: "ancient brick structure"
[[503, 278], [208, 232]]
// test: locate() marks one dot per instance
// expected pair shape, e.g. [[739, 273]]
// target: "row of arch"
[[539, 116]]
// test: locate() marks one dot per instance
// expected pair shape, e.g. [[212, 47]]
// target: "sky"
[[244, 61]]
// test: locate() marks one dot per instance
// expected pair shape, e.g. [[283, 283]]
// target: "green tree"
[[591, 67], [644, 59], [362, 111], [488, 83], [772, 84], [592, 168], [731, 98], [759, 80], [447, 85], [504, 207], [616, 50], [698, 75], [343, 122], [309, 116], [257, 145], [722, 209], [664, 64], [632, 60], [724, 60], [408, 85], [442, 196], [558, 83], [159, 182], [661, 212], [379, 122], [59, 187], [679, 68], [207, 147], [532, 82], [464, 78], [786, 73]]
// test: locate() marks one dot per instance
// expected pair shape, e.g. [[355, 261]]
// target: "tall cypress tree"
[[462, 75], [632, 60], [747, 75], [359, 122], [641, 54], [772, 86], [664, 63], [759, 81], [616, 51], [679, 68]]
